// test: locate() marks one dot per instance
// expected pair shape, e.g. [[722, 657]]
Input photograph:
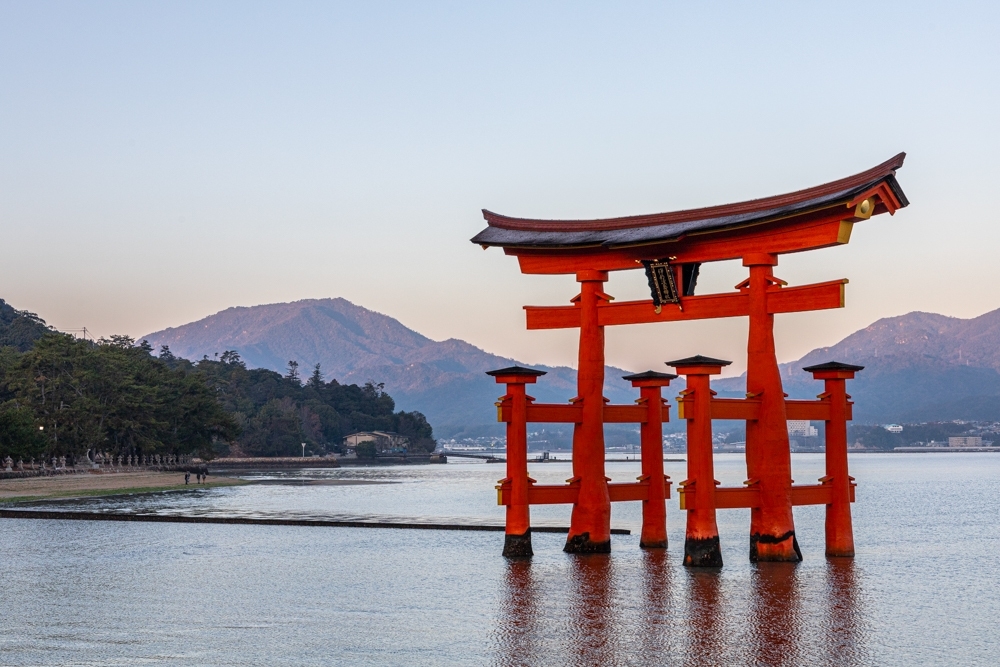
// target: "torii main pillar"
[[590, 523], [769, 459]]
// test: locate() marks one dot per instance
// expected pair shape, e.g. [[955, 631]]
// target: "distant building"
[[801, 428], [385, 441], [965, 441], [893, 428]]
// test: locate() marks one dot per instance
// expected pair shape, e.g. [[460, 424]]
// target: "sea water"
[[923, 588]]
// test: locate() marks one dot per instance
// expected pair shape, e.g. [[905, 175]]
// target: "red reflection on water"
[[845, 627], [656, 634], [774, 614], [706, 641], [588, 611], [594, 634], [517, 631]]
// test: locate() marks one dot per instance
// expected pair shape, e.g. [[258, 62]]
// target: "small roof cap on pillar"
[[698, 360], [516, 370], [833, 366], [649, 375], [650, 379]]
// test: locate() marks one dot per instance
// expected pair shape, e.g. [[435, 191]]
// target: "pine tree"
[[316, 379], [293, 372]]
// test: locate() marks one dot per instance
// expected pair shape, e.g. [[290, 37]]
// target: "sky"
[[162, 161]]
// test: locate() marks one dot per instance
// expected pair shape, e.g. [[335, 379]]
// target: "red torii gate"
[[672, 246]]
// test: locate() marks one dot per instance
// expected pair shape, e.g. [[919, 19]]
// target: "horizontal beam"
[[729, 497], [722, 408], [803, 298], [564, 494], [726, 497], [824, 229], [554, 413], [627, 491], [704, 307], [812, 494], [631, 414], [820, 296], [551, 413], [735, 408], [749, 409], [812, 410]]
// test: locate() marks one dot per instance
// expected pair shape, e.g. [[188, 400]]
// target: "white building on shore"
[[801, 428]]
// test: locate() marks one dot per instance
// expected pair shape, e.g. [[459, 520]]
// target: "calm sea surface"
[[923, 589]]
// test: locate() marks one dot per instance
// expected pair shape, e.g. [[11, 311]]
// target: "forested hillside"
[[61, 396], [275, 414], [19, 328], [444, 380]]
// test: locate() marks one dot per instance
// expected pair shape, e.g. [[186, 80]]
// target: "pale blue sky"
[[163, 161]]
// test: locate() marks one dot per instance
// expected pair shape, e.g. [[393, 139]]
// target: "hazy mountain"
[[443, 379], [918, 367]]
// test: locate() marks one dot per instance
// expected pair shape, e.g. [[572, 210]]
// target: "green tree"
[[20, 437], [112, 395], [316, 379], [19, 328], [365, 450]]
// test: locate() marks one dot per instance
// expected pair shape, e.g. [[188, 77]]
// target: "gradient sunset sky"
[[160, 162]]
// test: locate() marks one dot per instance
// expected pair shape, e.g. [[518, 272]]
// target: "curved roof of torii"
[[505, 231]]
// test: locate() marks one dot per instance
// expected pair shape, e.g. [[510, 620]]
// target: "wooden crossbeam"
[[735, 408], [564, 494], [722, 408], [820, 296], [749, 408], [813, 410], [825, 229], [726, 497], [554, 413], [731, 497]]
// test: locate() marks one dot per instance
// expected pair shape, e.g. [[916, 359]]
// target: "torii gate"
[[671, 247]]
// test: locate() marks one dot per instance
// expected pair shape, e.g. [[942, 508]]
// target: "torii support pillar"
[[654, 507], [769, 459], [839, 529], [517, 539], [590, 522], [701, 541]]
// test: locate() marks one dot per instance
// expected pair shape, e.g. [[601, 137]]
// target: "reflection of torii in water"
[[671, 247]]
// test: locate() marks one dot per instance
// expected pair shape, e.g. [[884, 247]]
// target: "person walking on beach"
[[187, 477]]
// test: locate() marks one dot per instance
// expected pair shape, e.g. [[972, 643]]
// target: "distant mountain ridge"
[[445, 380], [918, 367]]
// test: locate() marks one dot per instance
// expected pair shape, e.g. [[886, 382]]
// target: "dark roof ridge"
[[649, 375], [516, 370], [833, 366], [698, 360], [886, 170]]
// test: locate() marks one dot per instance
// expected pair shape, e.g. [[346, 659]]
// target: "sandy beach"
[[103, 484]]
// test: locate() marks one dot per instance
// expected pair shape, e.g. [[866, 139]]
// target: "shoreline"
[[89, 485]]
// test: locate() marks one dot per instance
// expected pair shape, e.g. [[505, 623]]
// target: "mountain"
[[918, 367], [442, 379]]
